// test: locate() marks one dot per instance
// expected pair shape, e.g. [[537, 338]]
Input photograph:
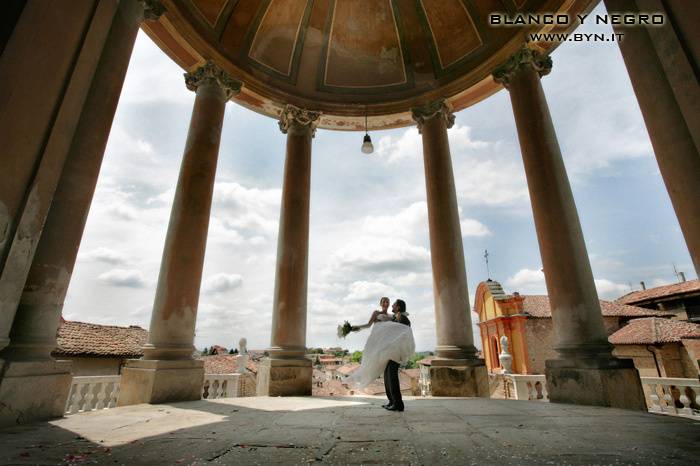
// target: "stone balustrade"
[[220, 386], [528, 387], [90, 393], [672, 395]]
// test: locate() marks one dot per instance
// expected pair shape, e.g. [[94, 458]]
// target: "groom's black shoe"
[[386, 405], [395, 408]]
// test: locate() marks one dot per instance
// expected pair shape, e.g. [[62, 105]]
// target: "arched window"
[[495, 363]]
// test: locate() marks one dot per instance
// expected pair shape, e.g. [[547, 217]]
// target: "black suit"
[[391, 374]]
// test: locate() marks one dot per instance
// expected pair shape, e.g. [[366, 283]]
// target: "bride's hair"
[[402, 305], [383, 298]]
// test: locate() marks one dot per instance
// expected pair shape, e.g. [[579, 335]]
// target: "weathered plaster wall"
[[539, 336], [95, 366]]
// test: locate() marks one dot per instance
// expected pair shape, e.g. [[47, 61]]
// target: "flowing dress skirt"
[[387, 341]]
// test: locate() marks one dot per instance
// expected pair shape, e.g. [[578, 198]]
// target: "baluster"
[[538, 390], [215, 389], [654, 398], [683, 398], [82, 394], [114, 395], [224, 389], [100, 388], [205, 390], [692, 399], [109, 388], [545, 393], [73, 399], [91, 397]]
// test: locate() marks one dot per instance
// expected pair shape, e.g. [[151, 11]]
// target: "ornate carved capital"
[[294, 120], [209, 73], [152, 9], [437, 109], [523, 58]]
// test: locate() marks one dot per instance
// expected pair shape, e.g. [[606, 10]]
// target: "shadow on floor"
[[355, 430]]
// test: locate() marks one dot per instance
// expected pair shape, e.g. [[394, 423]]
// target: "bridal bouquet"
[[346, 328]]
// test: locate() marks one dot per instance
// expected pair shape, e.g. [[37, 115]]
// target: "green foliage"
[[205, 351], [340, 354], [356, 356], [413, 361]]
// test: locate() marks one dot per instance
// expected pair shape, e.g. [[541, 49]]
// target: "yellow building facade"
[[501, 314]]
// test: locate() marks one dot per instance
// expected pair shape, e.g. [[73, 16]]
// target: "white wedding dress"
[[388, 341]]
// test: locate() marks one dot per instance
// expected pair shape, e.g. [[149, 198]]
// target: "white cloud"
[[369, 291], [527, 281], [472, 227], [406, 146], [409, 145], [222, 282], [128, 278], [251, 212], [103, 254], [379, 254], [144, 80], [403, 224], [610, 290]]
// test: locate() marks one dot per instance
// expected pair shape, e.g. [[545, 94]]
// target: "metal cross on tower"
[[486, 257]]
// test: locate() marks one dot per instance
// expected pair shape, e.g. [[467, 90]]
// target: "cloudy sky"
[[369, 230]]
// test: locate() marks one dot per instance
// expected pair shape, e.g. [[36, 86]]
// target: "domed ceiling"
[[346, 58]]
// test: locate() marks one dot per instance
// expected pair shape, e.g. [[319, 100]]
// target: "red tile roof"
[[690, 286], [348, 369], [330, 387], [217, 349], [426, 361], [225, 364], [83, 339], [412, 373], [377, 387], [652, 330], [538, 306]]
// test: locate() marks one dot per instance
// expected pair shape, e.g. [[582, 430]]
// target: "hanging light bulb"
[[367, 147]]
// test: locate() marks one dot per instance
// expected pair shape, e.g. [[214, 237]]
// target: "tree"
[[356, 356], [205, 351], [413, 361]]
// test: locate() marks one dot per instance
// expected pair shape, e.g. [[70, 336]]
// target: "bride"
[[389, 340]]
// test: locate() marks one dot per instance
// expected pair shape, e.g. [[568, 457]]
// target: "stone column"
[[287, 372], [168, 371], [586, 372], [49, 225], [42, 101], [660, 61], [33, 334], [456, 371]]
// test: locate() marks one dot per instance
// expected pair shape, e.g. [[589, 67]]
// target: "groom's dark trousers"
[[391, 384]]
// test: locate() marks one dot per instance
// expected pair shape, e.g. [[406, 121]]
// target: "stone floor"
[[355, 430]]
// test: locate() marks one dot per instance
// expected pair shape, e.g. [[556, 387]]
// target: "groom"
[[391, 373]]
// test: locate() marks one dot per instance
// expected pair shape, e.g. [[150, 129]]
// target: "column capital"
[[525, 57], [437, 109], [152, 9], [295, 120], [210, 73]]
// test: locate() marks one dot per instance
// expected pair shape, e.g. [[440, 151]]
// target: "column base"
[[33, 390], [459, 377], [160, 381], [284, 377], [609, 382]]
